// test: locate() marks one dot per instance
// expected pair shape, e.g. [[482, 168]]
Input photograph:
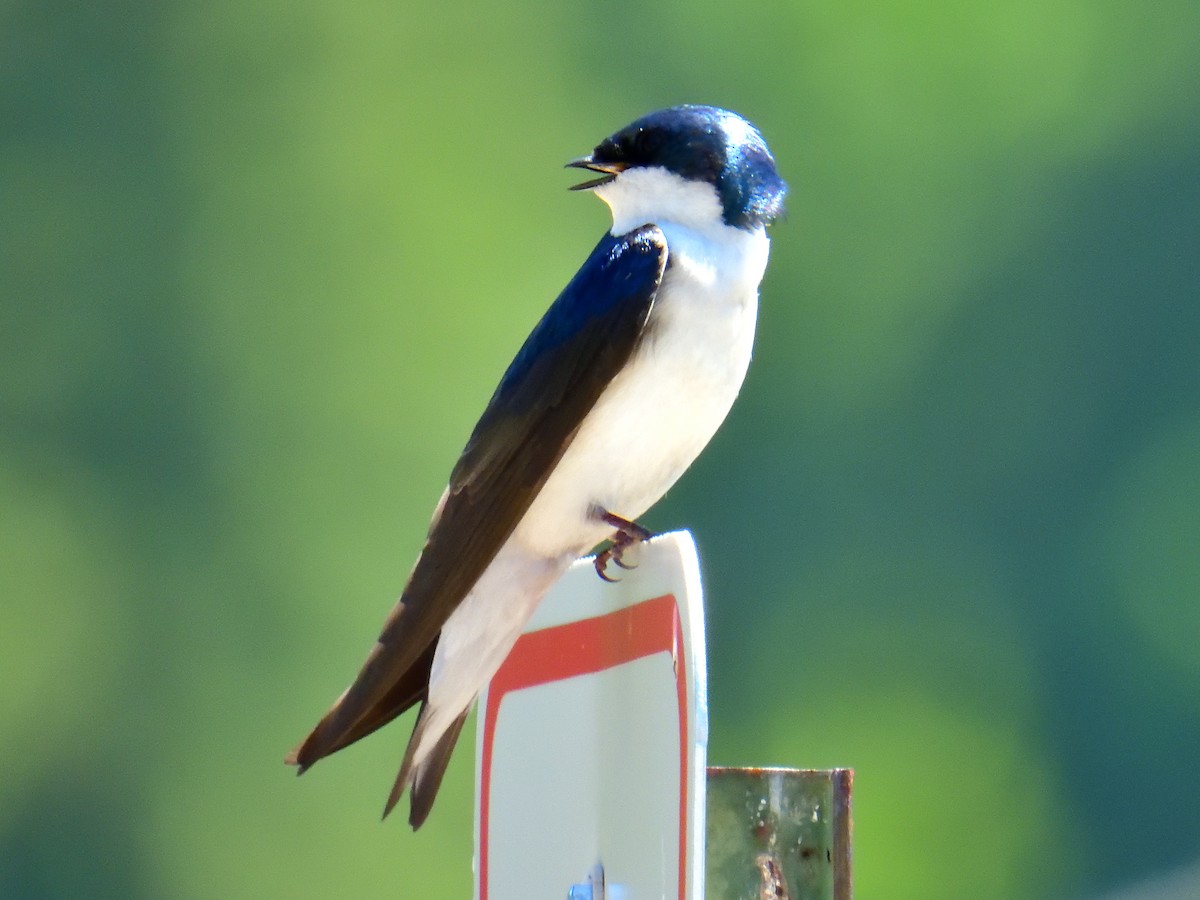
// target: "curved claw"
[[601, 563], [627, 534]]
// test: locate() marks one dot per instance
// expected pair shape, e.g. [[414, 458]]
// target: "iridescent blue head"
[[697, 143]]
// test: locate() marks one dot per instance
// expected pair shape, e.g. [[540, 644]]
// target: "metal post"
[[778, 834]]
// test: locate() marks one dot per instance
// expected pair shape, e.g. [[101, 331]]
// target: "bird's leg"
[[627, 534]]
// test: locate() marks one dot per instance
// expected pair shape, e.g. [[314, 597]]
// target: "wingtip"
[[309, 751], [298, 758]]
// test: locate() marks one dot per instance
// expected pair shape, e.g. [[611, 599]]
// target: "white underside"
[[646, 429]]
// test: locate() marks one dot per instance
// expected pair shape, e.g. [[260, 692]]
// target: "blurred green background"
[[261, 265]]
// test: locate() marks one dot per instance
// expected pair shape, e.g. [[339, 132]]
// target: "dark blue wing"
[[572, 354], [581, 343]]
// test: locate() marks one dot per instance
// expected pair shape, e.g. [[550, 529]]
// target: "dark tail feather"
[[430, 773], [426, 777]]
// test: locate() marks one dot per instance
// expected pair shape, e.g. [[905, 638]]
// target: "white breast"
[[658, 414]]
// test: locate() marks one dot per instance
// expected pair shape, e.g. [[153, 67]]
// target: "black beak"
[[609, 170]]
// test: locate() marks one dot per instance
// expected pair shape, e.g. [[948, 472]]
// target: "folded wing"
[[577, 348]]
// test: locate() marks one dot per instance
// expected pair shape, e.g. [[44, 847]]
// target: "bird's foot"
[[627, 534]]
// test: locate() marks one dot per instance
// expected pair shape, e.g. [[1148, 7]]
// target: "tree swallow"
[[612, 396]]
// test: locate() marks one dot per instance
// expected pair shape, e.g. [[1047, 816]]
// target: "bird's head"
[[695, 165]]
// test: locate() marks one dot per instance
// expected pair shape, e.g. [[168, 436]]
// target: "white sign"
[[592, 738]]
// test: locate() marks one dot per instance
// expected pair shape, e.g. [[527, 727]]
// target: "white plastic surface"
[[592, 738]]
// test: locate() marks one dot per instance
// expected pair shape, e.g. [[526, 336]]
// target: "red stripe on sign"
[[581, 648]]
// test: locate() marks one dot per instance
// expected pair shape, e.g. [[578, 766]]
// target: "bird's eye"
[[644, 144]]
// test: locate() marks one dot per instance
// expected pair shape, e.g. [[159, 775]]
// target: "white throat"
[[715, 258], [654, 195]]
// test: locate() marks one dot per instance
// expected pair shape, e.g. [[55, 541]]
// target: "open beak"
[[609, 172]]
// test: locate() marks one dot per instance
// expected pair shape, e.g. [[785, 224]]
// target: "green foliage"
[[262, 264]]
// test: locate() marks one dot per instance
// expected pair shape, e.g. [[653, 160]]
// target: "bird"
[[615, 392]]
